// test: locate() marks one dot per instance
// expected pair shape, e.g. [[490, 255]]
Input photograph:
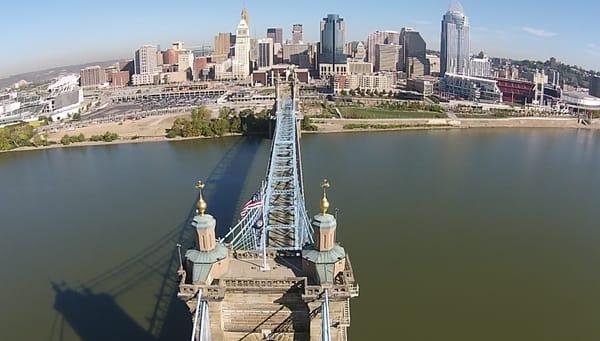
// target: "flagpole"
[[265, 266]]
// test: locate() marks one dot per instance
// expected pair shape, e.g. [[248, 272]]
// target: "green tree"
[[307, 125], [182, 127], [219, 127], [226, 112], [235, 125], [109, 137], [171, 134], [16, 136], [39, 141], [4, 144], [66, 140]]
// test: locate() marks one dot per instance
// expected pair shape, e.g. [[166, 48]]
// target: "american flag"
[[255, 202]]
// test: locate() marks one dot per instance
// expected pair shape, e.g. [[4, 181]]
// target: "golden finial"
[[201, 203], [324, 202]]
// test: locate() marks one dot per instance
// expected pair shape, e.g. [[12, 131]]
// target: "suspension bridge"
[[277, 274]]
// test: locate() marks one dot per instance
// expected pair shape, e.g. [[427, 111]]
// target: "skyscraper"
[[265, 53], [145, 65], [378, 38], [276, 34], [456, 44], [387, 57], [222, 46], [145, 60], [241, 60], [333, 31], [297, 34], [414, 53]]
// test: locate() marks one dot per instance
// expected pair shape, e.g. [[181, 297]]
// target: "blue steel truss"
[[281, 223]]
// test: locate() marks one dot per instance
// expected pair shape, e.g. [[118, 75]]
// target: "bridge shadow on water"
[[91, 309]]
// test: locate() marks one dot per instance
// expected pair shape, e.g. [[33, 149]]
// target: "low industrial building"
[[423, 85], [375, 82]]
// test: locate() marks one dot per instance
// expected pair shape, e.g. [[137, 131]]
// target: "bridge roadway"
[[271, 277], [283, 212]]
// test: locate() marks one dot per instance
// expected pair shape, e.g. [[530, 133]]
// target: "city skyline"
[[62, 33]]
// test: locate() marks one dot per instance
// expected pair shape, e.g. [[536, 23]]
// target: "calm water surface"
[[454, 235]]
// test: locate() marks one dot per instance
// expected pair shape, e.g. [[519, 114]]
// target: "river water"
[[454, 235]]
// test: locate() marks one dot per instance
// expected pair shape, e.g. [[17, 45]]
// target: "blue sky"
[[40, 34]]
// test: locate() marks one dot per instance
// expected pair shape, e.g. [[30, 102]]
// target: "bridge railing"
[[303, 214], [244, 235]]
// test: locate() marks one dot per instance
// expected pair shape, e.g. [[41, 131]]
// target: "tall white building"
[[455, 44], [480, 67], [146, 67], [241, 60], [145, 60]]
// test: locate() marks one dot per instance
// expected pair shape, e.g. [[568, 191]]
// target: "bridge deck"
[[283, 212]]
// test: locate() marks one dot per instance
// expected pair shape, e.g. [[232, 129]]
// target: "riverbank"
[[154, 129], [340, 125]]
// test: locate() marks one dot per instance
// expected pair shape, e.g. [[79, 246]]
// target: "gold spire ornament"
[[201, 203], [324, 202]]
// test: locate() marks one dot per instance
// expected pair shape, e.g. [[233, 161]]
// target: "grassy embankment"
[[377, 113]]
